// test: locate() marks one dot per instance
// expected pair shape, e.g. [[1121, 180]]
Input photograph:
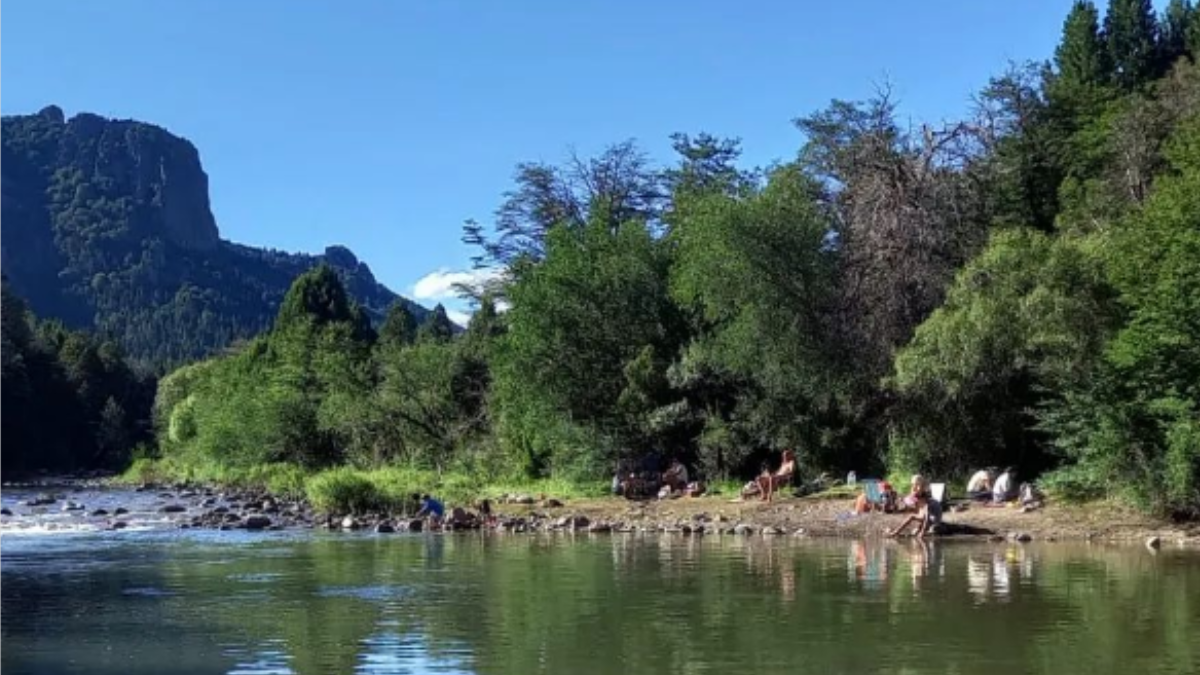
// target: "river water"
[[151, 599]]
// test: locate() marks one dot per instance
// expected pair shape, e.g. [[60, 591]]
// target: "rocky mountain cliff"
[[106, 225]]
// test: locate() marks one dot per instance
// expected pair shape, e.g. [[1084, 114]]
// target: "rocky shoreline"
[[213, 508]]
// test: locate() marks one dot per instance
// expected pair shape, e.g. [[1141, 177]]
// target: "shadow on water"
[[542, 604]]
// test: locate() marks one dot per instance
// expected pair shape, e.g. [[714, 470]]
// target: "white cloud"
[[440, 285], [460, 318]]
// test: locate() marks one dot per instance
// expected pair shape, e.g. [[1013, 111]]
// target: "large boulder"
[[257, 522]]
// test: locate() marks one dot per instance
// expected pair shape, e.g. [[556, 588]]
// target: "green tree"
[[1029, 315], [759, 273], [577, 318], [1136, 428], [616, 186], [1131, 31], [399, 326], [112, 430], [1081, 57], [437, 327], [1173, 40]]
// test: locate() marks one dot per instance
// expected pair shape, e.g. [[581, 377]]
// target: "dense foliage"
[[107, 227], [69, 402], [1019, 287]]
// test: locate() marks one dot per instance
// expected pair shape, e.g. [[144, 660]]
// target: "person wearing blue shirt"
[[431, 507]]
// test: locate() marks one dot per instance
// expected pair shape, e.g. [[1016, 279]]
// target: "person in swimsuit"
[[769, 483]]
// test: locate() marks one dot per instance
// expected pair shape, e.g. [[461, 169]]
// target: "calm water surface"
[[161, 601]]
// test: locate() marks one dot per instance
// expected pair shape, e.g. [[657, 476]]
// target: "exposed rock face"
[[107, 225]]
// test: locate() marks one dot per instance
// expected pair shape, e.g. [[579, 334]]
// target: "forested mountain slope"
[[107, 226]]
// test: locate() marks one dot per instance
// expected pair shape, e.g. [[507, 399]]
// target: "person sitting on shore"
[[979, 488], [769, 483], [675, 477], [485, 512], [1004, 488], [886, 503], [431, 508], [889, 497], [917, 493], [921, 518]]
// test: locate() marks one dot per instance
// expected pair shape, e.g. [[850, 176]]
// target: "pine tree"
[[399, 327], [1192, 34], [112, 434], [1081, 57], [437, 326], [1131, 30], [1176, 22]]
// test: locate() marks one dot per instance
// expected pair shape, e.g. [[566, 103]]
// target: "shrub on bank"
[[346, 490]]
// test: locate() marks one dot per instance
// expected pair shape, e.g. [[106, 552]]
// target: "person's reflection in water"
[[978, 576], [919, 551], [870, 563], [1000, 575], [858, 560], [435, 548], [787, 583]]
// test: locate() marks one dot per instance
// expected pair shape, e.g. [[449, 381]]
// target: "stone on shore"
[[257, 522]]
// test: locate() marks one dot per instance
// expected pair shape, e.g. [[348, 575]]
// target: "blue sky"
[[383, 125]]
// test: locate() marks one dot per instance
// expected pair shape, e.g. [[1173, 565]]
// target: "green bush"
[[344, 490]]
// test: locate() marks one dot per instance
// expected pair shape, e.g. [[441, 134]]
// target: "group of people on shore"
[[926, 510], [672, 483], [675, 482], [994, 490], [986, 486]]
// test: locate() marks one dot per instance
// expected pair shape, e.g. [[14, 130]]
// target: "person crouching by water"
[[769, 483], [431, 508]]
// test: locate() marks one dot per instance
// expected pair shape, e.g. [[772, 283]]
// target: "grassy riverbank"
[[348, 490], [345, 490]]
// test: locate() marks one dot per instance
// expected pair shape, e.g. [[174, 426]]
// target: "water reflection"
[[869, 563], [391, 653], [595, 604], [271, 658]]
